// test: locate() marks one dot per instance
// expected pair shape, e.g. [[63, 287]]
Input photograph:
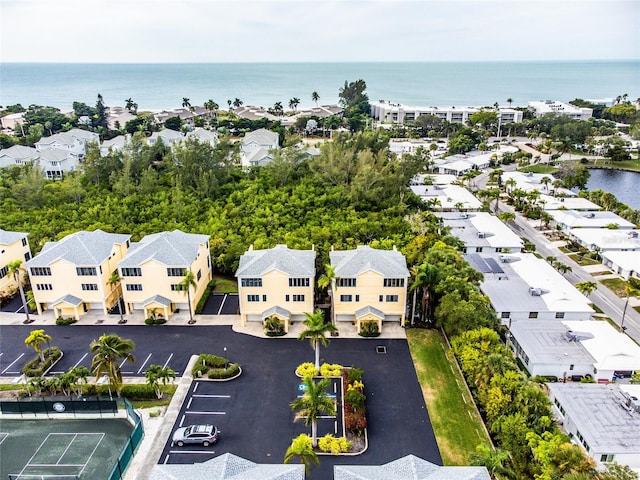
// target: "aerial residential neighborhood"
[[183, 264]]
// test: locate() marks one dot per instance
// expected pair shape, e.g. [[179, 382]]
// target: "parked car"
[[199, 434]]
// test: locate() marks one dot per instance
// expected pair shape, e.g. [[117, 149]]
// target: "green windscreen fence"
[[51, 406]]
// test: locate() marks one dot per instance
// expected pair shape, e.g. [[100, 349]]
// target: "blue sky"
[[317, 30]]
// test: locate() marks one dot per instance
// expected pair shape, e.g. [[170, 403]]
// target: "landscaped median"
[[456, 422]]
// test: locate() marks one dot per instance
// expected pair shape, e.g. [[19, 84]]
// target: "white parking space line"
[[205, 413], [222, 303], [145, 362], [80, 361], [12, 363], [168, 360], [201, 395], [166, 459], [196, 387], [189, 404], [182, 421], [335, 427], [205, 452]]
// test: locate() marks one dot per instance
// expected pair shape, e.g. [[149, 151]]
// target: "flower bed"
[[354, 408], [215, 367]]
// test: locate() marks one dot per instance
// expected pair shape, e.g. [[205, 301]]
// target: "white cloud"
[[327, 30]]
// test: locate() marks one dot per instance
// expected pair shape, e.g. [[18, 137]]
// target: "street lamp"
[[105, 379], [225, 357]]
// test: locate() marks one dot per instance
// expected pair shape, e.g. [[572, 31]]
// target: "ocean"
[[163, 86]]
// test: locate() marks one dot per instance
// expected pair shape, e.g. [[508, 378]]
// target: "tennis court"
[[61, 449]]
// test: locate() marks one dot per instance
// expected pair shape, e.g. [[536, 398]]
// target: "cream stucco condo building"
[[154, 267], [71, 276], [370, 285], [13, 246], [276, 282]]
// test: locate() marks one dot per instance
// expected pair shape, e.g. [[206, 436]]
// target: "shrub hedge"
[[369, 329], [334, 445], [65, 321], [155, 321], [34, 368], [205, 296], [214, 366]]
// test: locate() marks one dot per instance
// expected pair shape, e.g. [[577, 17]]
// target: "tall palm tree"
[[586, 288], [316, 331], [315, 97], [313, 403], [156, 375], [108, 353], [293, 103], [327, 280], [302, 447], [35, 340], [425, 279], [114, 281], [15, 270], [237, 103], [186, 284], [509, 101], [629, 290], [80, 374], [212, 107], [186, 103]]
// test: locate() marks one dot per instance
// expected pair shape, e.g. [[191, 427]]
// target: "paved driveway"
[[258, 423], [221, 304]]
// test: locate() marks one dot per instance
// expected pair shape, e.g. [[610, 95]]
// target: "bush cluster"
[[355, 411], [331, 444], [307, 369], [273, 327], [65, 321], [369, 329], [34, 368], [214, 366], [330, 370], [154, 321]]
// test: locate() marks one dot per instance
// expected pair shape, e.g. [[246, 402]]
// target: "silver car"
[[204, 435]]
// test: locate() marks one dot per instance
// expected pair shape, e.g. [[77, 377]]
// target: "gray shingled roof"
[[351, 263], [174, 249], [276, 310], [227, 467], [81, 248], [255, 263], [369, 310], [262, 136], [70, 299], [7, 238], [409, 468], [157, 299]]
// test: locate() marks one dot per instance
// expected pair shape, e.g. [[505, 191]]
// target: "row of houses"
[[93, 270], [550, 326]]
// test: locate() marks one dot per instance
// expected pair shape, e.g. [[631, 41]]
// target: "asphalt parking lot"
[[257, 423], [222, 304]]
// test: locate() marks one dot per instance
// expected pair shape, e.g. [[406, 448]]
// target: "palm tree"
[[425, 278], [315, 97], [327, 280], [187, 282], [316, 332], [586, 288], [130, 105], [35, 340], [212, 107], [293, 103], [313, 403], [510, 184], [496, 460], [80, 375], [156, 374], [563, 268], [277, 108], [108, 353], [113, 282], [507, 216], [302, 447], [237, 103], [15, 270], [186, 103], [509, 101]]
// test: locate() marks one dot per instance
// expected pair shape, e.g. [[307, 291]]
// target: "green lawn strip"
[[583, 260], [564, 250], [616, 285], [539, 168], [9, 386], [457, 425], [597, 274], [225, 285], [633, 165]]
